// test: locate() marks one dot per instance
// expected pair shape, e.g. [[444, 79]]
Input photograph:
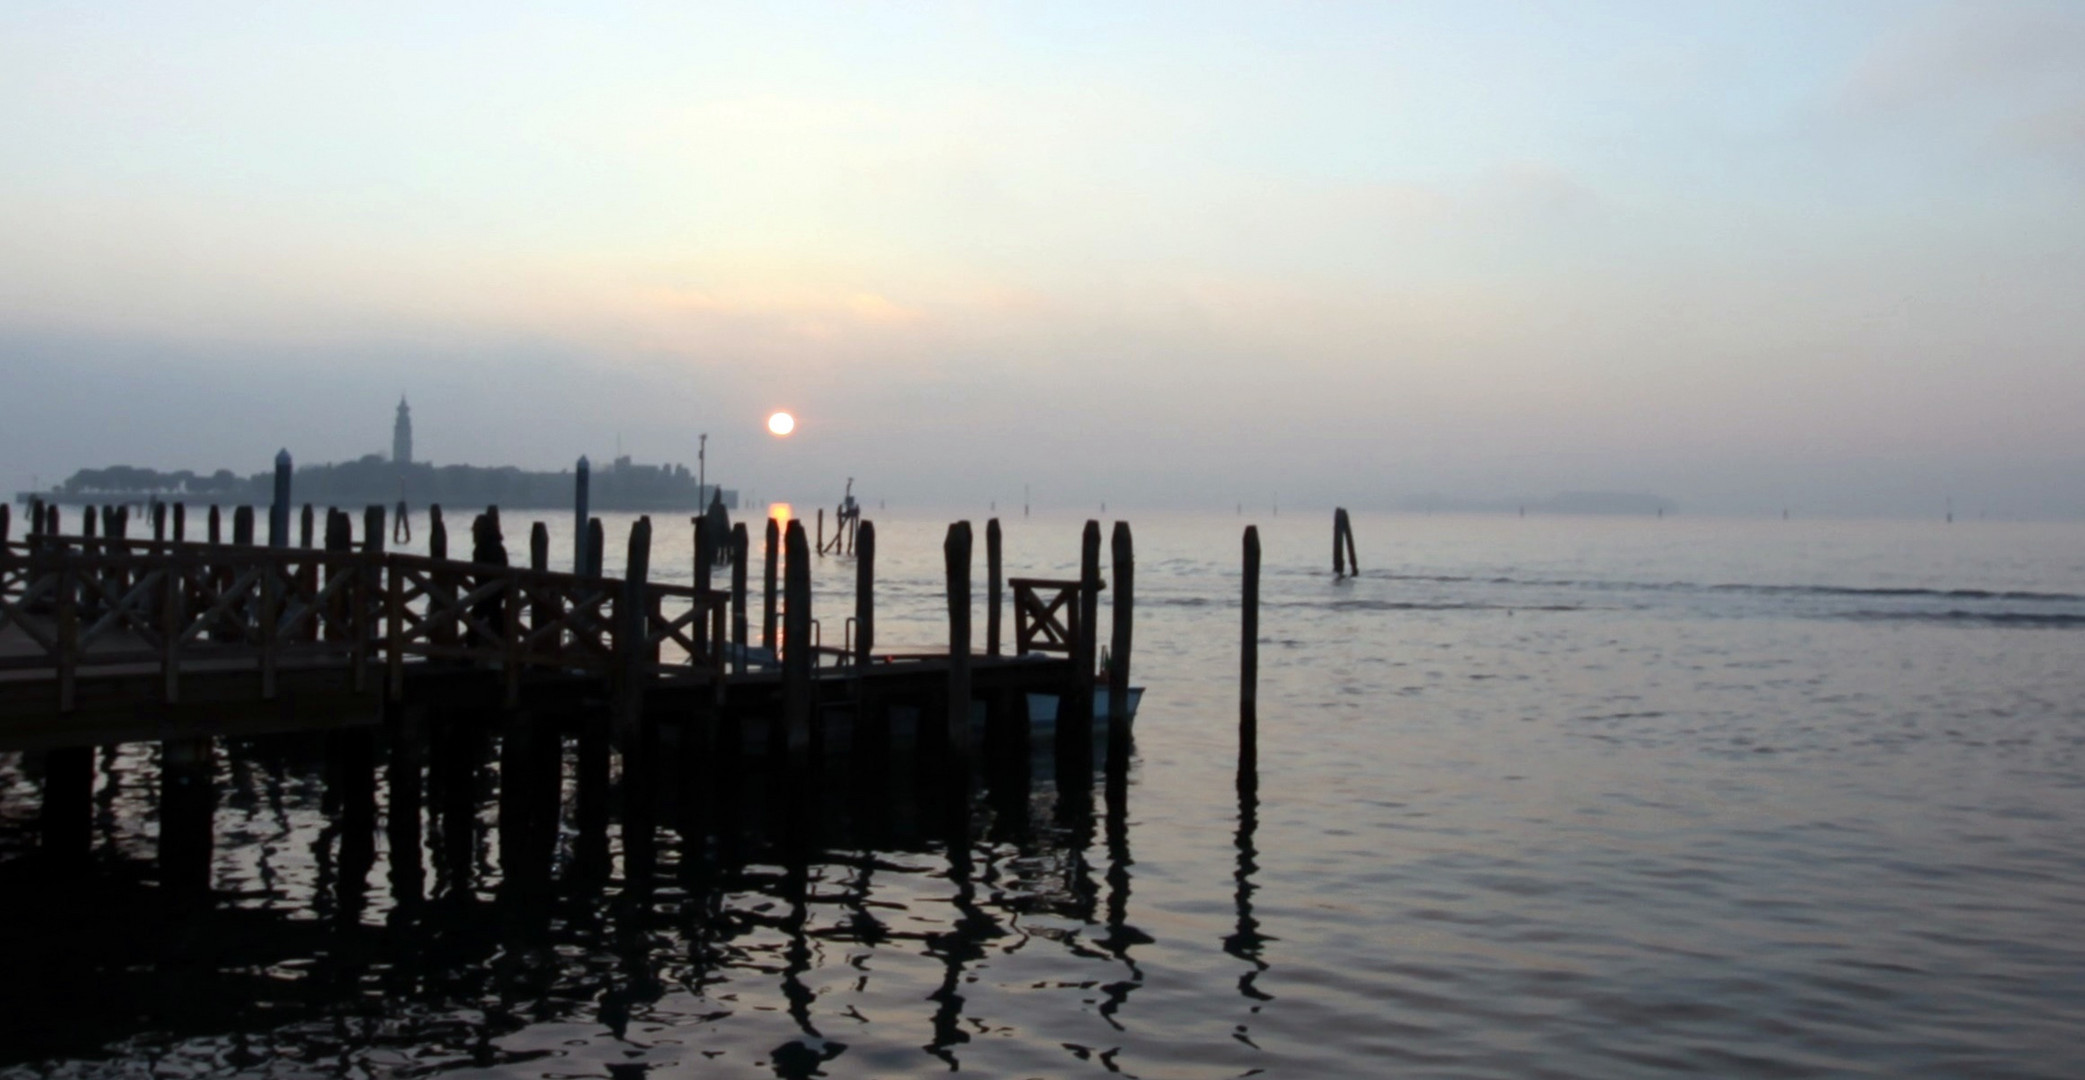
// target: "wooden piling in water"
[[159, 521], [864, 595], [994, 586], [1075, 710], [35, 522], [768, 609], [631, 631], [705, 551], [304, 526], [87, 522], [797, 657], [180, 522], [956, 554], [738, 597], [216, 526], [1249, 639], [581, 521], [596, 546], [1123, 608], [279, 505], [242, 526]]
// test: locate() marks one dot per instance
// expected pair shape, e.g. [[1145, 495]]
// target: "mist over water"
[[1542, 797]]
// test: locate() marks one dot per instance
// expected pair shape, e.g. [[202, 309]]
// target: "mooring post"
[[1339, 535], [35, 523], [994, 586], [216, 525], [1122, 607], [539, 546], [705, 552], [738, 597], [596, 546], [631, 631], [580, 532], [180, 522], [1353, 561], [768, 609], [87, 522], [864, 598], [821, 530], [279, 509], [1075, 710], [159, 520], [797, 658], [956, 553], [242, 526], [51, 520], [1249, 643], [304, 526]]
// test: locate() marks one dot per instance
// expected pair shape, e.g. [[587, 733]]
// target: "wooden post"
[[216, 526], [173, 617], [304, 527], [539, 546], [632, 629], [242, 526], [864, 595], [596, 546], [1339, 535], [705, 552], [1353, 561], [437, 533], [821, 530], [442, 617], [35, 523], [87, 522], [68, 629], [549, 604], [955, 552], [180, 522], [581, 534], [994, 587], [738, 596], [51, 520], [279, 508], [394, 646], [367, 589], [1249, 643], [797, 658], [159, 521], [1123, 608], [768, 609]]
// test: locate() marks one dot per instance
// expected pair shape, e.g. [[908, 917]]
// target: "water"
[[1542, 797]]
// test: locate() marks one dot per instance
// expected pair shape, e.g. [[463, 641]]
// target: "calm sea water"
[[1541, 797]]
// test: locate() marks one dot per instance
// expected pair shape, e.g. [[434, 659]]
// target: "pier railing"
[[68, 603]]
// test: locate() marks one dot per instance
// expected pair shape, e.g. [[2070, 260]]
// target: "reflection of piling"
[[402, 785], [994, 586], [956, 552], [864, 594], [187, 803], [67, 817]]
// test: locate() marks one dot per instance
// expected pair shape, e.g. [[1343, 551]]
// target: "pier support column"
[[67, 817], [187, 811]]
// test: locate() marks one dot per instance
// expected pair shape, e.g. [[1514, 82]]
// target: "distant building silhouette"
[[402, 435]]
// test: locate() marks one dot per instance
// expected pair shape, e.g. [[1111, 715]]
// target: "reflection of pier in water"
[[353, 892]]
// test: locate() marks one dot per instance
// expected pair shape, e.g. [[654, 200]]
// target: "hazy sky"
[[1745, 255]]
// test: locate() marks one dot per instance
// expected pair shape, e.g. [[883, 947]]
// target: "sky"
[[1747, 256]]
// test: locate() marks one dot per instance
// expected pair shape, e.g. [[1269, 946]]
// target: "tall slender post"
[[159, 520], [216, 525], [632, 629], [581, 478], [1249, 642], [994, 587], [539, 546], [279, 508], [242, 526], [821, 530], [304, 526], [767, 597], [1075, 712], [1123, 608], [864, 594], [738, 596], [1339, 551], [705, 551], [180, 522], [596, 545], [1346, 522], [797, 658], [955, 551], [35, 517]]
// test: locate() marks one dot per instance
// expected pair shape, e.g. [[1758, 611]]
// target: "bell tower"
[[402, 435]]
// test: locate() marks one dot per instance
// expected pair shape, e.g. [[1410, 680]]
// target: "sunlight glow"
[[781, 423]]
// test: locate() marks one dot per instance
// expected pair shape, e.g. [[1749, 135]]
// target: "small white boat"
[[1042, 708]]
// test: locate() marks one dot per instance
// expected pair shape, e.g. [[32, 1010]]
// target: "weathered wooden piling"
[[596, 546], [1075, 709], [1123, 608], [738, 597], [305, 522], [864, 594], [1344, 562], [180, 522], [279, 506], [631, 632], [1249, 639], [216, 532], [705, 551], [581, 531], [35, 522], [159, 522], [87, 522], [955, 552], [797, 657], [768, 608], [994, 586], [539, 546], [242, 526], [51, 519], [821, 530]]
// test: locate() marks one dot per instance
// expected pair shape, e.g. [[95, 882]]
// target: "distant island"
[[374, 479], [1569, 502]]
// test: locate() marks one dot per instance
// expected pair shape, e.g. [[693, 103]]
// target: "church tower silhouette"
[[402, 435]]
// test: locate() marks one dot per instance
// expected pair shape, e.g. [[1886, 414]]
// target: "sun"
[[781, 423]]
